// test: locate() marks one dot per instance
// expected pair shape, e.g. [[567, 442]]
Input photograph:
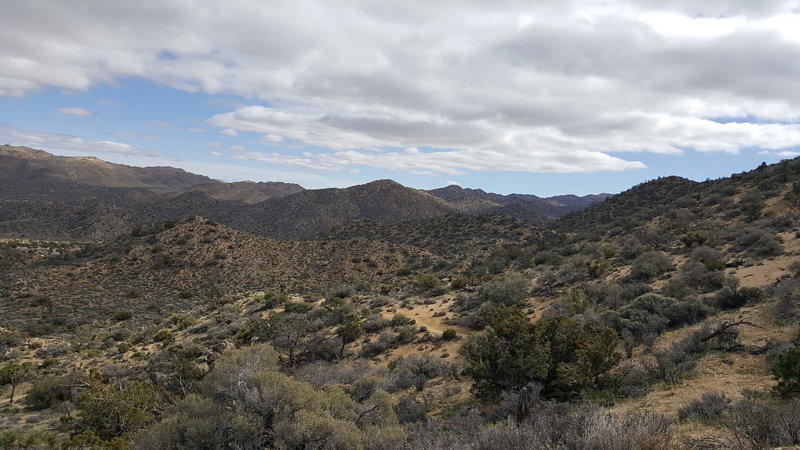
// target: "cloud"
[[159, 123], [576, 86], [136, 134], [74, 111], [60, 143]]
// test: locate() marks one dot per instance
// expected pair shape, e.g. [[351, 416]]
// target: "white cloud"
[[217, 154], [270, 139], [60, 143], [446, 86], [74, 111], [136, 134]]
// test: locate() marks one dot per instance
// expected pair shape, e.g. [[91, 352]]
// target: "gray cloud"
[[525, 86]]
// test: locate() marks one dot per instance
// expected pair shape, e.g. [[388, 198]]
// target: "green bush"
[[427, 282], [449, 334], [566, 356], [163, 336], [649, 265], [785, 367], [511, 291]]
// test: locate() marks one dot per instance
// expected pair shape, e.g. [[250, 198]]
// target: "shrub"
[[122, 315], [197, 422], [449, 334], [758, 241], [164, 336], [649, 265], [713, 259], [408, 410], [415, 370], [708, 408], [513, 290], [50, 390], [111, 411], [565, 355], [427, 282], [696, 275], [785, 367], [374, 323], [758, 424]]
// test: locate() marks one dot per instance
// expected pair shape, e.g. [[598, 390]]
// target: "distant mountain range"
[[45, 196]]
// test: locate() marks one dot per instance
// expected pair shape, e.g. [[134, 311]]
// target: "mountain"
[[248, 191], [44, 196], [23, 166], [527, 207]]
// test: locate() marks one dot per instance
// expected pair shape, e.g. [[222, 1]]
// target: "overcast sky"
[[542, 97]]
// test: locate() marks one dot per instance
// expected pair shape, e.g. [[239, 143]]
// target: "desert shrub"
[[751, 205], [380, 301], [566, 356], [274, 300], [787, 296], [122, 315], [731, 296], [649, 265], [712, 258], [576, 268], [757, 424], [757, 241], [694, 238], [427, 282], [409, 410], [374, 323], [460, 281], [708, 408], [794, 267], [415, 370], [50, 390], [512, 290], [163, 336], [653, 313], [33, 439], [343, 292], [632, 430], [317, 429], [400, 320], [449, 334], [785, 367], [672, 365], [111, 411], [697, 276], [297, 308], [197, 422]]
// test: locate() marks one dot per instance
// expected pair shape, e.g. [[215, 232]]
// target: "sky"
[[538, 97]]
